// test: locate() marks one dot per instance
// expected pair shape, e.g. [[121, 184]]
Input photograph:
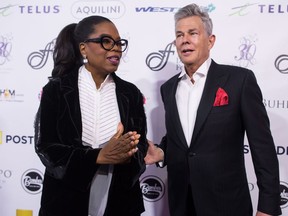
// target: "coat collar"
[[69, 89], [216, 78]]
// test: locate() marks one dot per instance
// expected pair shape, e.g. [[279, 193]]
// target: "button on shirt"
[[188, 96]]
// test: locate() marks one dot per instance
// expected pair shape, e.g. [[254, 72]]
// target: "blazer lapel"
[[215, 79], [69, 86], [122, 100]]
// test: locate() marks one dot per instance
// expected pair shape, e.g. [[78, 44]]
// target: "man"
[[208, 109]]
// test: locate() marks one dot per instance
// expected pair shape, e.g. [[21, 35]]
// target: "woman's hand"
[[119, 148]]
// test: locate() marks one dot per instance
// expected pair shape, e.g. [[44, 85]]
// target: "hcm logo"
[[10, 95], [7, 93]]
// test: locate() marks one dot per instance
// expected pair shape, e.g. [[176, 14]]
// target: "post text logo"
[[16, 139]]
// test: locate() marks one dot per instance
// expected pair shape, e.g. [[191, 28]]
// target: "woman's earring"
[[85, 60]]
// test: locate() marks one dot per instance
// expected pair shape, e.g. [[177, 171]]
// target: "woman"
[[85, 129]]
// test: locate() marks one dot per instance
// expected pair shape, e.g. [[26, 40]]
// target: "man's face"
[[192, 42]]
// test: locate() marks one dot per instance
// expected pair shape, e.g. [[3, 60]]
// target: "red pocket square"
[[221, 98]]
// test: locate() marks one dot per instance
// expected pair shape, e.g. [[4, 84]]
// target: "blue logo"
[[36, 9], [151, 9], [273, 8]]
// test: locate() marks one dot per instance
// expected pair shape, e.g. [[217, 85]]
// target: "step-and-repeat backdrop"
[[250, 34]]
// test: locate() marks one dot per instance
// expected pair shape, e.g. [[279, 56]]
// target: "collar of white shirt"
[[202, 70]]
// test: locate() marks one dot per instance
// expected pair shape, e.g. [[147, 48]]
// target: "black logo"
[[32, 181], [281, 64], [251, 186], [153, 188], [283, 194], [38, 59], [157, 60]]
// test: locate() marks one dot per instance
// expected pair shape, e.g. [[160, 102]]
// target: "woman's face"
[[101, 61]]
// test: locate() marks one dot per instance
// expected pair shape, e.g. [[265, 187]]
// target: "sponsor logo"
[[281, 63], [273, 8], [16, 139], [251, 186], [151, 9], [247, 51], [37, 9], [6, 10], [5, 174], [241, 10], [156, 61], [245, 9], [24, 212], [153, 188], [283, 194], [10, 95], [156, 9], [38, 59], [110, 9], [5, 49], [32, 181], [280, 150], [275, 104]]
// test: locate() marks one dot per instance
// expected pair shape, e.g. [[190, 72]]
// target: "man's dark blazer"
[[70, 166], [214, 163]]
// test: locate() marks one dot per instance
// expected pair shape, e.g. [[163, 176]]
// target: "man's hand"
[[120, 147], [262, 214], [154, 154]]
